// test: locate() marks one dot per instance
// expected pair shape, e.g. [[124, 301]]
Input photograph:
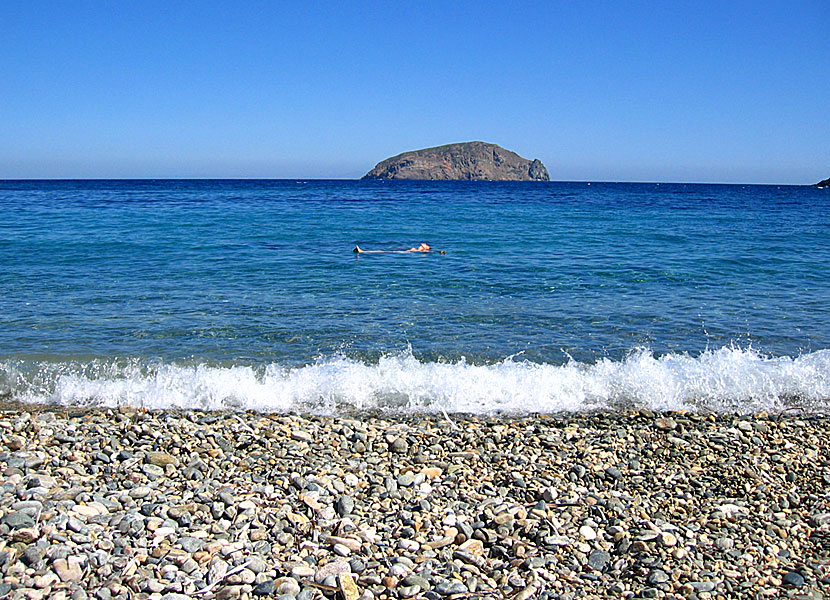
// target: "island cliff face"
[[824, 183], [468, 161]]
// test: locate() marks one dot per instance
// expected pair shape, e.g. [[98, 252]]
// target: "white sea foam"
[[728, 379]]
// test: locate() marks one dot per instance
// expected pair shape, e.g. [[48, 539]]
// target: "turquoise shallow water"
[[560, 296]]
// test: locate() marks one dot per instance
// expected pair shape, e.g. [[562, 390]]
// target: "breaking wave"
[[724, 380]]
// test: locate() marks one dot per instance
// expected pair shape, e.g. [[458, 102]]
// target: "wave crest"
[[723, 380]]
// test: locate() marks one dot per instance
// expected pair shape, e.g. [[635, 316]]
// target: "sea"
[[550, 297]]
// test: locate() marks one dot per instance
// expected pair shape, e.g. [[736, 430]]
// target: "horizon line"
[[305, 179]]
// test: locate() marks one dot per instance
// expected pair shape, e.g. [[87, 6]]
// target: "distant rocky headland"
[[468, 161], [824, 183]]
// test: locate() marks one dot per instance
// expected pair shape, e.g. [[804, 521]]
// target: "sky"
[[599, 91]]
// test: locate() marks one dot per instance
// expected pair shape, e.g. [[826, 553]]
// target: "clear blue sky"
[[625, 91]]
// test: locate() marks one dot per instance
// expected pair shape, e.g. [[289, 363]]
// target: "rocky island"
[[824, 183], [468, 161]]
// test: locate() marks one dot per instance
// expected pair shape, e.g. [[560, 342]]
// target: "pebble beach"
[[133, 504]]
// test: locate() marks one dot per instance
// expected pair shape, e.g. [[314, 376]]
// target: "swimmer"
[[423, 247]]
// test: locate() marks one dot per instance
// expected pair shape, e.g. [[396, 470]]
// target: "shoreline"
[[127, 503]]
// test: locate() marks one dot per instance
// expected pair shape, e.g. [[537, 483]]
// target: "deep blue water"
[[135, 291]]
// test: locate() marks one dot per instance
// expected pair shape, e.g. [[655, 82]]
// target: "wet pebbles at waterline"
[[128, 504]]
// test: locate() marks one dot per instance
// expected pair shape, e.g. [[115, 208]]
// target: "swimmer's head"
[[424, 247]]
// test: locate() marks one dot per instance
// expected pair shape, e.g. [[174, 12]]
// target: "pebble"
[[344, 506], [474, 547], [161, 459], [112, 504], [287, 585], [68, 569], [332, 569], [599, 559], [265, 588], [303, 571], [432, 472], [347, 586], [703, 586], [793, 579], [400, 446], [140, 492], [18, 520], [190, 544], [657, 576], [407, 479], [46, 580]]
